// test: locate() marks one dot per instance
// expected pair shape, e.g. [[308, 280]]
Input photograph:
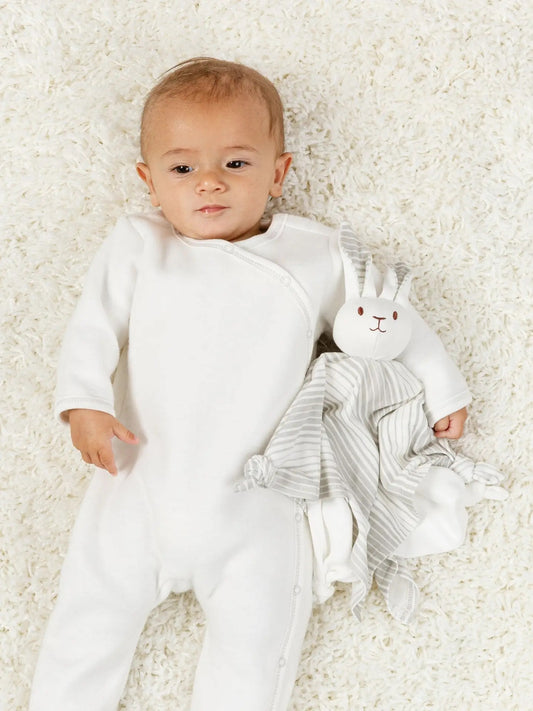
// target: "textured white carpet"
[[413, 120]]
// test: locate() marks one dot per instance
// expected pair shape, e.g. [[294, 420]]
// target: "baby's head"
[[212, 145], [210, 80]]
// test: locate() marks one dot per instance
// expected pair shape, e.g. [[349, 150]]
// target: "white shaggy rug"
[[411, 119]]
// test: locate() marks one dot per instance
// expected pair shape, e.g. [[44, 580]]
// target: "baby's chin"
[[212, 228]]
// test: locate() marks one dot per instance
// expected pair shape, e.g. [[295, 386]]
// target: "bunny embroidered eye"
[[395, 315], [360, 311]]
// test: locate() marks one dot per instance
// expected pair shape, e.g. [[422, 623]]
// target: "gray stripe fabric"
[[357, 430]]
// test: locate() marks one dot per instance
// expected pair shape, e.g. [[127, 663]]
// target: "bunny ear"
[[357, 262], [404, 284], [396, 284]]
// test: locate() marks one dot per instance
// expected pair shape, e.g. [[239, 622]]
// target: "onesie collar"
[[273, 230]]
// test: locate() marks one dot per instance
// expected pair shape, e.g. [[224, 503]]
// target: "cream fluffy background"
[[411, 119]]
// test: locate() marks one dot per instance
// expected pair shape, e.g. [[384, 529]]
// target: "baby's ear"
[[283, 163], [143, 171]]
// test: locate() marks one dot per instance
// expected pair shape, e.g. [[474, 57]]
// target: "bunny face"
[[370, 327]]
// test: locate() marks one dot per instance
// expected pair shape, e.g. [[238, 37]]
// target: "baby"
[[193, 334]]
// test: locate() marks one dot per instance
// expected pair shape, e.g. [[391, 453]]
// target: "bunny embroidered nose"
[[378, 327]]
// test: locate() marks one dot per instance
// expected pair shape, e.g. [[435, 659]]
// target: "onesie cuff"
[[443, 409]]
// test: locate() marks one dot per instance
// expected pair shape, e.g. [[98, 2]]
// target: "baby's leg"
[[257, 598], [108, 587]]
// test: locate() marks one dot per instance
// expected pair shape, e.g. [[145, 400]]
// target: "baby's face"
[[210, 167]]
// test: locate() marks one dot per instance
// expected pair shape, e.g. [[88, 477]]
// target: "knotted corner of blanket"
[[470, 471], [258, 471]]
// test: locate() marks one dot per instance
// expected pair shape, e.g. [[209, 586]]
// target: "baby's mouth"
[[211, 209]]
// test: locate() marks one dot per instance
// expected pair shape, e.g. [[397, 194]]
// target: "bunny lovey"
[[356, 448]]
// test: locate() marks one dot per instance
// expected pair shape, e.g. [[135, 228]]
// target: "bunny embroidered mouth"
[[379, 319]]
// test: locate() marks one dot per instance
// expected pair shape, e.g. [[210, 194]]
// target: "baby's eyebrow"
[[242, 148], [173, 151], [176, 151]]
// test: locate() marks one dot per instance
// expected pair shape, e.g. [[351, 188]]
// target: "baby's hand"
[[451, 427], [92, 431]]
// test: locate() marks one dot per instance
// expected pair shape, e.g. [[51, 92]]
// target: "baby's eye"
[[394, 315], [234, 164], [360, 311], [182, 169]]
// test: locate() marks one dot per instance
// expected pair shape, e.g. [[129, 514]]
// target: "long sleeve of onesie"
[[445, 388], [98, 328]]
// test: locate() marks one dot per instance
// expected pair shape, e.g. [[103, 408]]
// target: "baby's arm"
[[92, 431], [96, 332]]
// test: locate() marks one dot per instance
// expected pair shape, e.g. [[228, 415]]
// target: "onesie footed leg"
[[107, 589], [257, 608], [86, 656]]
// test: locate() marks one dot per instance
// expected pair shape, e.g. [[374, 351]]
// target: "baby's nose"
[[210, 180]]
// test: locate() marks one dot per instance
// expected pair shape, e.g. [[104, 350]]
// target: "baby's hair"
[[215, 80]]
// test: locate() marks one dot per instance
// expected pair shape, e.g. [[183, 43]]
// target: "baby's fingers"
[[441, 427], [102, 458], [455, 430], [106, 460], [124, 434]]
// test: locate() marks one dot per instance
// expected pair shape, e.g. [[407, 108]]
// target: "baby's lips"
[[211, 209]]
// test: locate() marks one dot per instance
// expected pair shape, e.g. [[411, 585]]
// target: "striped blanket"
[[356, 448]]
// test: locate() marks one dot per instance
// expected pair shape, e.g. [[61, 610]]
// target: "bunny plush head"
[[368, 325]]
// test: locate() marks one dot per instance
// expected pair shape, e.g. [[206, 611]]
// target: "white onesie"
[[198, 347]]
